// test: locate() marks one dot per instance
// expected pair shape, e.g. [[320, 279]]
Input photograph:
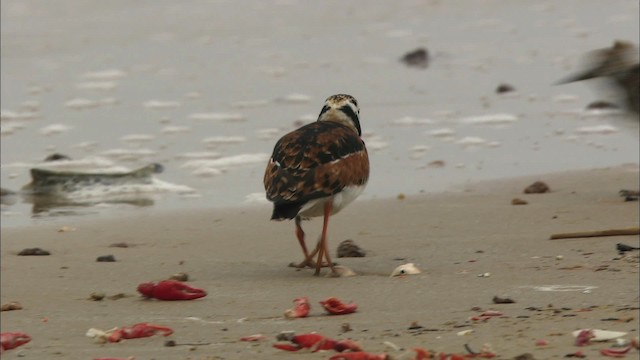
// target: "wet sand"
[[240, 258]]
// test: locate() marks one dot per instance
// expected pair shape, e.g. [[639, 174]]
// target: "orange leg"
[[323, 252]]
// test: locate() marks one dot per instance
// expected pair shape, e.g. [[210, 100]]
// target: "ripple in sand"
[[54, 129], [128, 154], [137, 138], [376, 143], [30, 105], [161, 105], [110, 74], [86, 145], [19, 115], [294, 99], [218, 117], [412, 121], [171, 129], [495, 119], [223, 140], [597, 130]]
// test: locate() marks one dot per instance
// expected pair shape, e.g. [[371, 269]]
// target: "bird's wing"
[[315, 161]]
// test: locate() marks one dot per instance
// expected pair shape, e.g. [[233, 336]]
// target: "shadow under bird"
[[317, 170], [620, 65]]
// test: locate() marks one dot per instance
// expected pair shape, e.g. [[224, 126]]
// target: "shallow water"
[[206, 90]]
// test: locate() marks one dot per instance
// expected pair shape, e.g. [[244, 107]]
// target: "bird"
[[317, 170], [619, 63]]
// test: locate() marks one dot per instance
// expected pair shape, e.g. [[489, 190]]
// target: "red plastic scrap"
[[170, 290], [336, 307]]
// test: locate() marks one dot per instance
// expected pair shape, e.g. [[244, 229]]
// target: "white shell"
[[405, 269], [342, 271], [602, 335]]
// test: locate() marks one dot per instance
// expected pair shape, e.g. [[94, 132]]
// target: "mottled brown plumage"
[[318, 169]]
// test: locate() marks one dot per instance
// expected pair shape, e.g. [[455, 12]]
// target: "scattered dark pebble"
[[170, 343], [348, 248], [537, 187], [525, 356], [600, 104], [34, 252], [576, 355], [417, 58], [518, 201], [13, 305], [106, 258], [97, 296], [345, 327], [120, 245], [285, 336], [181, 276], [500, 300], [436, 164], [504, 88], [57, 157], [415, 326]]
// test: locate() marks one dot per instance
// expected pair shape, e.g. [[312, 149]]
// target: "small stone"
[[401, 196], [436, 164], [537, 187], [601, 104], [170, 343], [34, 252], [181, 276], [14, 305], [106, 258], [504, 88], [518, 201], [417, 58], [119, 245], [97, 296], [525, 356], [345, 327], [500, 300], [285, 335], [57, 157]]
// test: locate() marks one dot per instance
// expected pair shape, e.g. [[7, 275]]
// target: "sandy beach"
[[240, 258]]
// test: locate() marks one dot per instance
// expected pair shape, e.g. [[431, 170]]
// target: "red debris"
[[170, 290], [336, 307]]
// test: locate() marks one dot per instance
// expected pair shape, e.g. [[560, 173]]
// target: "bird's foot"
[[309, 264]]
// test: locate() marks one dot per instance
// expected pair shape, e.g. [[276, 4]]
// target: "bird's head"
[[343, 109]]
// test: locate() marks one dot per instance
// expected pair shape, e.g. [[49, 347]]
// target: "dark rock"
[[348, 248], [106, 258], [504, 88], [537, 187], [417, 58], [34, 252]]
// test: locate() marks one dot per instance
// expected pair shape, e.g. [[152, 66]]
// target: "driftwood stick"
[[598, 233]]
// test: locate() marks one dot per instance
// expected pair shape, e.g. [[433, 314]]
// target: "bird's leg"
[[300, 235], [323, 252]]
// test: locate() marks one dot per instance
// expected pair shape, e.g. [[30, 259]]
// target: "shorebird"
[[620, 64], [317, 170]]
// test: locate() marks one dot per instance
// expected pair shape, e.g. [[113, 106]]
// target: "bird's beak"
[[589, 74]]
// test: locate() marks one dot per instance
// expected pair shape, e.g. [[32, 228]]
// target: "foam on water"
[[228, 161], [604, 129], [217, 117], [137, 138], [412, 121], [199, 155], [110, 74], [469, 141], [161, 105], [54, 129], [18, 115], [249, 104], [128, 154], [295, 99], [221, 140], [495, 119], [174, 129], [443, 132], [97, 85]]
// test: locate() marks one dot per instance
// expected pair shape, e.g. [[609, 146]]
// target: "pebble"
[[34, 252], [537, 187], [106, 258]]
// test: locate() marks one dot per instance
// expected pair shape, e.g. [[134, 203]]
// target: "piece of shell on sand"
[[601, 335], [405, 269], [342, 271]]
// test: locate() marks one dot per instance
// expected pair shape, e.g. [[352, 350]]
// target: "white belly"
[[315, 208]]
